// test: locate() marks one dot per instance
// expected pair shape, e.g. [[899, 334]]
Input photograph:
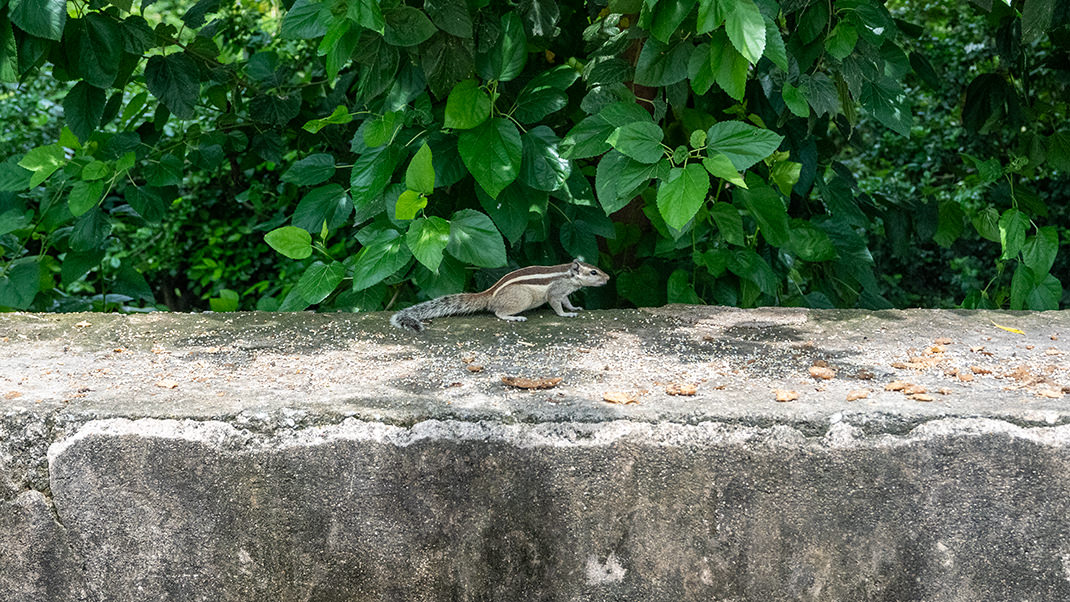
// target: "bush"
[[740, 152]]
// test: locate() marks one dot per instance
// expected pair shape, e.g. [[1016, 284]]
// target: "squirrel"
[[517, 291]]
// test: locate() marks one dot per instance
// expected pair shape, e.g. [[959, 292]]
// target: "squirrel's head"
[[587, 274]]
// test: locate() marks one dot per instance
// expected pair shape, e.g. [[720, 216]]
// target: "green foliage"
[[741, 152]]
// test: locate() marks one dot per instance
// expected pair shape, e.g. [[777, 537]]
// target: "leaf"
[[303, 21], [338, 46], [541, 16], [711, 14], [467, 106], [9, 59], [715, 261], [194, 17], [505, 60], [746, 29], [228, 300], [407, 26], [340, 115], [1012, 226], [274, 109], [775, 50], [319, 280], [427, 239], [1036, 19], [83, 107], [887, 101], [532, 106], [20, 282], [950, 226], [1040, 249], [174, 81], [90, 230], [841, 41], [542, 167], [640, 140], [742, 143], [475, 240], [720, 166], [291, 241], [795, 100], [409, 203], [420, 175], [668, 16], [136, 34], [768, 210], [729, 223], [682, 194], [43, 161], [446, 60], [987, 224], [13, 177], [14, 219], [588, 137], [76, 265], [785, 174], [1045, 295], [41, 18], [642, 286], [492, 153], [1059, 150], [84, 196], [577, 239], [367, 14], [660, 64], [166, 172], [326, 205], [619, 178], [147, 202], [379, 260], [312, 170], [729, 68], [94, 46], [680, 290], [821, 93], [809, 242], [751, 267], [513, 208], [371, 173], [381, 130], [451, 16]]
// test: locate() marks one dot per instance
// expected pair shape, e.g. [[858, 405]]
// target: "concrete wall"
[[408, 489]]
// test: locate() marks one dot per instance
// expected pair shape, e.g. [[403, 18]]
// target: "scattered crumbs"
[[620, 397], [521, 382], [822, 372], [681, 389], [856, 394], [783, 395]]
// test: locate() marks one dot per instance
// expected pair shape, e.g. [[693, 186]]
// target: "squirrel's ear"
[[576, 266]]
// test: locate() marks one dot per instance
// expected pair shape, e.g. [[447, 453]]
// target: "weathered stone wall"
[[307, 457]]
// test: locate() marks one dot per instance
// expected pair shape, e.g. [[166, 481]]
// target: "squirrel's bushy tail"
[[412, 318]]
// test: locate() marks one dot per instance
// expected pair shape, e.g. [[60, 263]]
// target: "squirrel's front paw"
[[568, 314]]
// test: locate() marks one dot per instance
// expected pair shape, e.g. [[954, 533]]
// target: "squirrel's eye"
[[594, 272]]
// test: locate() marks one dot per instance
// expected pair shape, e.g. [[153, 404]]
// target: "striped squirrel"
[[517, 291]]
